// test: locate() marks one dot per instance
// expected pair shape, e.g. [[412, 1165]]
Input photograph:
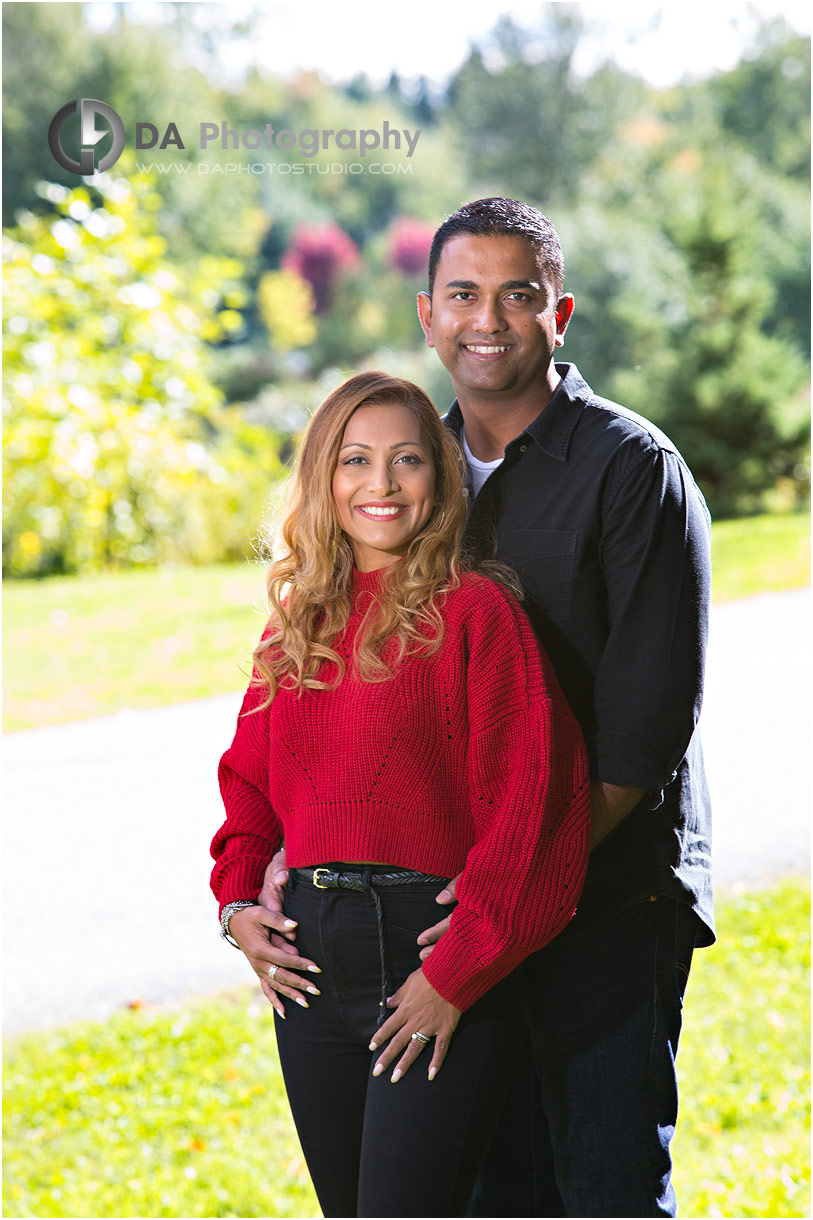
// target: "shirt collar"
[[553, 426]]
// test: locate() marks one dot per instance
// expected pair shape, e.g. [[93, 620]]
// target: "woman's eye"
[[411, 458], [356, 460]]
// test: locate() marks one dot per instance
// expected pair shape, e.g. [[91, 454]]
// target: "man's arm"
[[609, 805]]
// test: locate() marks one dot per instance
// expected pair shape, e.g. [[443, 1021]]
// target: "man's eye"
[[519, 296], [463, 296]]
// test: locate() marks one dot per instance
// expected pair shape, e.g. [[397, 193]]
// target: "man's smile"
[[487, 349]]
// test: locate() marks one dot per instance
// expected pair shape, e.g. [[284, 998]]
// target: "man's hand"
[[418, 1009], [432, 935], [260, 934]]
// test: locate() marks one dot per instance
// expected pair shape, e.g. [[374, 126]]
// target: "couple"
[[404, 735]]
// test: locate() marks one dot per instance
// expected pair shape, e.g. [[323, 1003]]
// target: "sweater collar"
[[368, 582]]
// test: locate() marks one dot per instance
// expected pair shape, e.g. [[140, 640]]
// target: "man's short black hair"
[[508, 217]]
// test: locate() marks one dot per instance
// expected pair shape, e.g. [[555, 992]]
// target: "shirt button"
[[522, 448]]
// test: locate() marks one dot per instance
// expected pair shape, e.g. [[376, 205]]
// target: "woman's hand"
[[419, 1009], [261, 934]]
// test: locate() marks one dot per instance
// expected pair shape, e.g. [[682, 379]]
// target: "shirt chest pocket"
[[544, 560]]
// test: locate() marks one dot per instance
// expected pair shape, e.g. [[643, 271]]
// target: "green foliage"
[[183, 1113], [684, 214], [117, 449]]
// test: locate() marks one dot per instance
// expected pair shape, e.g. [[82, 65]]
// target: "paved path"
[[106, 866]]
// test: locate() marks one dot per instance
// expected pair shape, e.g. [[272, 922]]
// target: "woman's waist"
[[376, 837]]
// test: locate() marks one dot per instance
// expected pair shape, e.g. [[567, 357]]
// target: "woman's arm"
[[242, 848], [530, 795]]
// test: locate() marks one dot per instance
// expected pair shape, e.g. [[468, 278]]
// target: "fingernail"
[[378, 1069], [396, 1075], [314, 969], [373, 1046], [443, 894], [433, 1073], [302, 1002], [313, 990], [290, 923]]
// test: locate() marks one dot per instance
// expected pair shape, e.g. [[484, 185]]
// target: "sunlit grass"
[[75, 648], [183, 1113], [760, 555]]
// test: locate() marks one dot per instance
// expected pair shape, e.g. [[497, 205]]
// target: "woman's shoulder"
[[478, 596]]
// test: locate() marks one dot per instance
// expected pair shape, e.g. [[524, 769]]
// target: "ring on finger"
[[272, 970], [417, 1037]]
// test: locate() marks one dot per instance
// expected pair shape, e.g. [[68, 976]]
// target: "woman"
[[401, 726]]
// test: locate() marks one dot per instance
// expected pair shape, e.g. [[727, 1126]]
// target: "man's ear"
[[425, 316], [564, 312]]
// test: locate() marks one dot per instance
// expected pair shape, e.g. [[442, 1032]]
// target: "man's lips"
[[487, 350]]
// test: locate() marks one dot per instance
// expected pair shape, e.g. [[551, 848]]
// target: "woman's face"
[[384, 483]]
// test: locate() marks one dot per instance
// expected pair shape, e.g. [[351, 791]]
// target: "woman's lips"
[[382, 512]]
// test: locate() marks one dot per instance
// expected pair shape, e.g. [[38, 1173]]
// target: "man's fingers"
[[431, 935]]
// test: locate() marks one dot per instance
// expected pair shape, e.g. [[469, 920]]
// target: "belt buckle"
[[318, 884]]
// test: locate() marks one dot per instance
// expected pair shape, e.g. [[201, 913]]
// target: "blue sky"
[[664, 42]]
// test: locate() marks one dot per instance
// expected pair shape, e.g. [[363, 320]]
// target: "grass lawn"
[[182, 1113], [75, 648]]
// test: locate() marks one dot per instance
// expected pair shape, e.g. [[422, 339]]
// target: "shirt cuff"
[[628, 762]]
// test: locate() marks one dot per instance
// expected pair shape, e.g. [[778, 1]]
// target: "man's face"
[[492, 319]]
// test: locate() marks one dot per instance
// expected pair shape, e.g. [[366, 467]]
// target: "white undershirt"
[[479, 470]]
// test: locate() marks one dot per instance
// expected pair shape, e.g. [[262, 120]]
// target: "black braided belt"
[[368, 881], [344, 879]]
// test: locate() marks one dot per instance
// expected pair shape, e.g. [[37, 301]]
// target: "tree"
[[117, 449]]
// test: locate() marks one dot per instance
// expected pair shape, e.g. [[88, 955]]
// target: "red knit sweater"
[[467, 760]]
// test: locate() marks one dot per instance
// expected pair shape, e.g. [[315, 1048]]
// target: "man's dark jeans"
[[589, 1135]]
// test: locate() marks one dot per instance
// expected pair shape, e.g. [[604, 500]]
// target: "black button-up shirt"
[[600, 517]]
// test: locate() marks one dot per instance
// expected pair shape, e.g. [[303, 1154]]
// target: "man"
[[601, 519]]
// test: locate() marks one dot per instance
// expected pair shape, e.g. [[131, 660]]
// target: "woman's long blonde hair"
[[310, 587]]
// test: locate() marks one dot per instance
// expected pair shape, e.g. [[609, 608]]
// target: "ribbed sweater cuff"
[[455, 973], [240, 877]]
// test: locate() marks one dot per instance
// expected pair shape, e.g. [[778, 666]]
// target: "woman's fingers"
[[403, 1047], [273, 998], [439, 1054], [288, 984]]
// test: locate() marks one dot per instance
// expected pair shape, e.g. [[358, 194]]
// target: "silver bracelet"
[[226, 914]]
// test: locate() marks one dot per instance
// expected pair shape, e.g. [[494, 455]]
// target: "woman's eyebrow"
[[397, 445]]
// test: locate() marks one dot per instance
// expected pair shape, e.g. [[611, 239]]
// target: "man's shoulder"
[[620, 425]]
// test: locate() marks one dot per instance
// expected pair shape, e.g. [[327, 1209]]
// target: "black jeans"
[[590, 1135], [374, 1148]]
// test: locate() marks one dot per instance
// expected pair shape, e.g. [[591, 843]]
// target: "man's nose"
[[488, 316]]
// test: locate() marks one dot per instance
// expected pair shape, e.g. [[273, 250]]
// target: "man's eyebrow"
[[397, 445], [470, 286]]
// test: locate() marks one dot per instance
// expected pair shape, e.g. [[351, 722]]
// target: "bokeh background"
[[167, 330], [169, 325]]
